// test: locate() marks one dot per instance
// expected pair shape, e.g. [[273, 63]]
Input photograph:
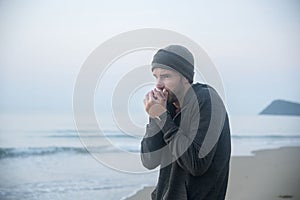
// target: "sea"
[[44, 157]]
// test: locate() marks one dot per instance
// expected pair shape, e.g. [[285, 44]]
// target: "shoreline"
[[267, 174]]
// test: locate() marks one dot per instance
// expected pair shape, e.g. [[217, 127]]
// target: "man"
[[188, 134]]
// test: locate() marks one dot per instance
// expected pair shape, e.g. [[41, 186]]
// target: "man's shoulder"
[[199, 85], [206, 93], [202, 90], [197, 93]]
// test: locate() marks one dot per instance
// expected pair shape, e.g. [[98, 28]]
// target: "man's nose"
[[160, 84]]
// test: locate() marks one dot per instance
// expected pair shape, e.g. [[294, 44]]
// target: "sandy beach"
[[268, 175]]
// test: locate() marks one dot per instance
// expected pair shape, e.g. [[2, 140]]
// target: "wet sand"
[[268, 175]]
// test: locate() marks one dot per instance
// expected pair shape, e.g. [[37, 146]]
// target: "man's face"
[[170, 80]]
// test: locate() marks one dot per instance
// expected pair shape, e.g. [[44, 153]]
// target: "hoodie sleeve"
[[151, 145]]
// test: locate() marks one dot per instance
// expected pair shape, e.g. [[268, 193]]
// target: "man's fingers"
[[147, 96], [146, 99], [149, 100], [165, 92], [155, 102], [159, 94], [151, 96]]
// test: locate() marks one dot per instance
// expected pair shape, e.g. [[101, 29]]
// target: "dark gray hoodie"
[[192, 148]]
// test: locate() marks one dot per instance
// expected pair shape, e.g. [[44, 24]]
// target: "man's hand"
[[155, 102]]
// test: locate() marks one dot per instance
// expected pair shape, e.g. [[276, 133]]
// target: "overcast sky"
[[254, 44]]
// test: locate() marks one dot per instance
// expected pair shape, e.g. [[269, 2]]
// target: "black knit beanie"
[[175, 57]]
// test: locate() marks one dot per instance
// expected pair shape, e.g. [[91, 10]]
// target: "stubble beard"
[[171, 97], [178, 93]]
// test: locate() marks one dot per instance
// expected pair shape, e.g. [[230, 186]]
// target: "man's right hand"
[[155, 102]]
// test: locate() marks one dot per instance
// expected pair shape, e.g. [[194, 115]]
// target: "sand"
[[268, 175]]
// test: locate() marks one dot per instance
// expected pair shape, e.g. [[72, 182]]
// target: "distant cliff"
[[282, 107]]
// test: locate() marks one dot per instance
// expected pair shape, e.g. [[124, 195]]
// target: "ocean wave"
[[72, 133], [88, 136], [38, 151], [45, 151], [33, 190], [265, 136]]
